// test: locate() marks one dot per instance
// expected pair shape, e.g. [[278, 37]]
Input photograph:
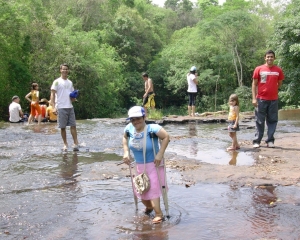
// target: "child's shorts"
[[230, 127]]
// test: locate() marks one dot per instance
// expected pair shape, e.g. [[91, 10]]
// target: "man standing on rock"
[[267, 79], [148, 97]]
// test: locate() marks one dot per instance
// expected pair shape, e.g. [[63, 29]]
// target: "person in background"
[[62, 105], [43, 105], [267, 79], [148, 97], [25, 117], [51, 117], [34, 103], [134, 134], [15, 110], [233, 119], [192, 90]]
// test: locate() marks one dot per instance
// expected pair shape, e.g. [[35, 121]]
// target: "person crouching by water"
[[135, 130], [34, 103], [15, 110], [233, 119], [50, 114]]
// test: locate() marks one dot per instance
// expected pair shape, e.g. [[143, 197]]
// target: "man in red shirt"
[[267, 79]]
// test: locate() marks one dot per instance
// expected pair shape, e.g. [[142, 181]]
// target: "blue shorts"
[[66, 117]]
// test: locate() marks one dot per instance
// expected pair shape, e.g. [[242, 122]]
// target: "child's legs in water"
[[234, 139]]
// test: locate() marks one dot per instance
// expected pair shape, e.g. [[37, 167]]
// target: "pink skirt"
[[154, 191]]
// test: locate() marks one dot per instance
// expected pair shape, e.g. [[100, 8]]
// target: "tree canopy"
[[109, 44]]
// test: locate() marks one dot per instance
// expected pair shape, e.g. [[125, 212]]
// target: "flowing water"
[[46, 194]]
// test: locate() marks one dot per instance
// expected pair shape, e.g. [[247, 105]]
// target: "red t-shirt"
[[268, 78]]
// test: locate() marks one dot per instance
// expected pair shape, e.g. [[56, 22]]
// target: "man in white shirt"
[[62, 106], [15, 110]]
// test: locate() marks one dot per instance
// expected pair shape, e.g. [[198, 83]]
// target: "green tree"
[[287, 46], [14, 74]]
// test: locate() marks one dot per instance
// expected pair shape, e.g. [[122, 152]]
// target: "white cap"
[[193, 68], [14, 97], [136, 111]]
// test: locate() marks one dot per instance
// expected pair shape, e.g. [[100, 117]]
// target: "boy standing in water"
[[62, 106]]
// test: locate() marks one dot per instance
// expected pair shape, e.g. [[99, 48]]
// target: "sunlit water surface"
[[49, 195]]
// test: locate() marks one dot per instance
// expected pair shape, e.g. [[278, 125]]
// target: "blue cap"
[[74, 94], [193, 68]]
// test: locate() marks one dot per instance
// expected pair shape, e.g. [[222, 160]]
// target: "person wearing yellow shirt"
[[50, 115], [34, 103]]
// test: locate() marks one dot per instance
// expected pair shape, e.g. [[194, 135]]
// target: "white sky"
[[161, 2]]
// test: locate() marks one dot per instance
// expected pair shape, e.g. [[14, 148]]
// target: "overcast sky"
[[161, 2]]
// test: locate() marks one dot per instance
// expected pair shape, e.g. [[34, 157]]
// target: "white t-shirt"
[[63, 89], [14, 112], [192, 87]]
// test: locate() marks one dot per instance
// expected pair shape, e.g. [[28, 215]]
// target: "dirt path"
[[277, 166]]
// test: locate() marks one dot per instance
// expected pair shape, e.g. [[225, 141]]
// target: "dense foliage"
[[109, 43]]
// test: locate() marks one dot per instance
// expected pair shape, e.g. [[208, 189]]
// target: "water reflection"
[[145, 230], [234, 155], [157, 235], [263, 217], [264, 195], [37, 201], [69, 166], [206, 143], [192, 133], [37, 128], [192, 129]]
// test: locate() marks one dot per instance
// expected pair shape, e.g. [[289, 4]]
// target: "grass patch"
[[290, 107], [154, 114]]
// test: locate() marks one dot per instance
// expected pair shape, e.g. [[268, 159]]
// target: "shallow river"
[[46, 194]]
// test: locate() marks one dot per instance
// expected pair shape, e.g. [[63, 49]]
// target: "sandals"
[[147, 211], [157, 220]]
